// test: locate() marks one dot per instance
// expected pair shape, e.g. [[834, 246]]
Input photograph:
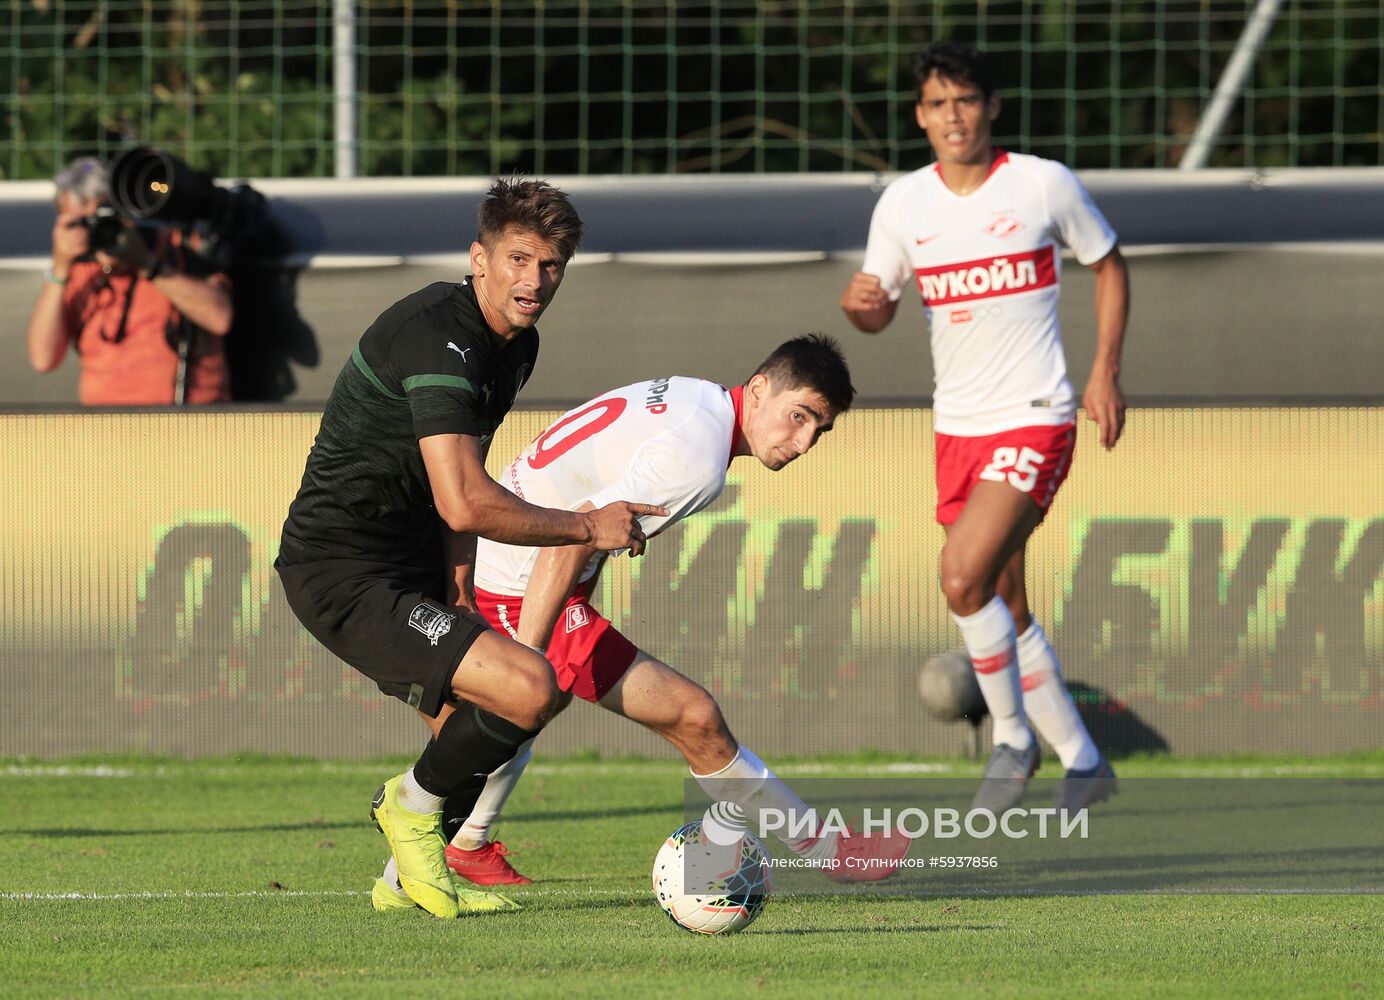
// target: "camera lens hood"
[[147, 183]]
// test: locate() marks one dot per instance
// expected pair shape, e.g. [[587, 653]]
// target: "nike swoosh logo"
[[926, 239]]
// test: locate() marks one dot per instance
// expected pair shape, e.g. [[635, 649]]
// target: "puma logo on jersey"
[[454, 347]]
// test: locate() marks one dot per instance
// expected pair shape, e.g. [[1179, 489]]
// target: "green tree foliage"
[[243, 87]]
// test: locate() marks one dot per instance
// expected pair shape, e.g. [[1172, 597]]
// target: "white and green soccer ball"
[[709, 888]]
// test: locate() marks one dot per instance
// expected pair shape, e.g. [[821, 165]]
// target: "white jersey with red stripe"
[[988, 266], [666, 442]]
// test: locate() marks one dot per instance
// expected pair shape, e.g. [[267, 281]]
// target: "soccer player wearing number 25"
[[401, 454], [666, 441], [979, 232]]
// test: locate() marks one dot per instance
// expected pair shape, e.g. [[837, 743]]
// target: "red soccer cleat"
[[868, 857], [486, 865]]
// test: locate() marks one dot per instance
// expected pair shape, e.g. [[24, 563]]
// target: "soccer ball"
[[948, 687], [708, 888]]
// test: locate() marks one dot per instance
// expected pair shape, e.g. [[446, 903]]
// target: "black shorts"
[[388, 622]]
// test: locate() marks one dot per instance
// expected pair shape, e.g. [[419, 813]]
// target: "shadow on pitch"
[[1266, 871], [536, 901], [663, 808], [65, 832], [671, 809], [1115, 727], [905, 929]]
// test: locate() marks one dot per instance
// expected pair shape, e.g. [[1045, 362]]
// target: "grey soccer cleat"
[[1006, 776], [1080, 789]]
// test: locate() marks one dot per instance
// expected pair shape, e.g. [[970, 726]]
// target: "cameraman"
[[130, 313]]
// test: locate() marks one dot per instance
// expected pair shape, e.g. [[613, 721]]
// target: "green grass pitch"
[[250, 877]]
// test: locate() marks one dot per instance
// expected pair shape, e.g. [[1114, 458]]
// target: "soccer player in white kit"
[[979, 233], [670, 440]]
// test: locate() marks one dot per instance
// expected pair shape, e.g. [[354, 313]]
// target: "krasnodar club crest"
[[432, 622]]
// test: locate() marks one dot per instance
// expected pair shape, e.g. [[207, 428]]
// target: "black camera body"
[[151, 190], [108, 231]]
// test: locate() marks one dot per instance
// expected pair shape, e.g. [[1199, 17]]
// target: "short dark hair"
[[814, 362], [960, 62], [533, 205]]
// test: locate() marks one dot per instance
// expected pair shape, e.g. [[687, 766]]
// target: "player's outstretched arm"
[[866, 304], [469, 501], [1103, 399]]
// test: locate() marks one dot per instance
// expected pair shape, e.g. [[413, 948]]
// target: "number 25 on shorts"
[[1016, 466]]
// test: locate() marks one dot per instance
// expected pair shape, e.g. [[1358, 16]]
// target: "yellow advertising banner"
[[1213, 584]]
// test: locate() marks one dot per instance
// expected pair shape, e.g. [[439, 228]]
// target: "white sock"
[[476, 830], [391, 877], [415, 798], [1049, 704], [748, 782], [989, 635]]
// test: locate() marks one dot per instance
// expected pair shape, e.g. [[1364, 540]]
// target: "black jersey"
[[429, 365]]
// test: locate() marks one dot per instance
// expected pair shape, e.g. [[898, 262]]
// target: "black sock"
[[470, 744], [460, 802]]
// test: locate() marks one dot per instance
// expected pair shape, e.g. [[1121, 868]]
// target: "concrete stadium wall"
[[1206, 325], [1245, 284]]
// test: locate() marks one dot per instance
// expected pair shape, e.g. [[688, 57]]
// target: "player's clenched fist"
[[866, 304], [616, 526], [864, 293]]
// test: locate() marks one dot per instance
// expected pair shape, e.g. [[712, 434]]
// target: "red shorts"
[[588, 654], [1034, 460]]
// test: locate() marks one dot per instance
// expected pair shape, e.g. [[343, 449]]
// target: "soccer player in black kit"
[[395, 494]]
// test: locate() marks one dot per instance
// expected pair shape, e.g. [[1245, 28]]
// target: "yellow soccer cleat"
[[415, 840], [471, 900], [385, 900]]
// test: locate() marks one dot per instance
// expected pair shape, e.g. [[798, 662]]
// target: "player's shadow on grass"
[[74, 831], [557, 904], [582, 879], [905, 929], [1252, 871], [672, 809], [1115, 727], [1288, 810], [566, 903]]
